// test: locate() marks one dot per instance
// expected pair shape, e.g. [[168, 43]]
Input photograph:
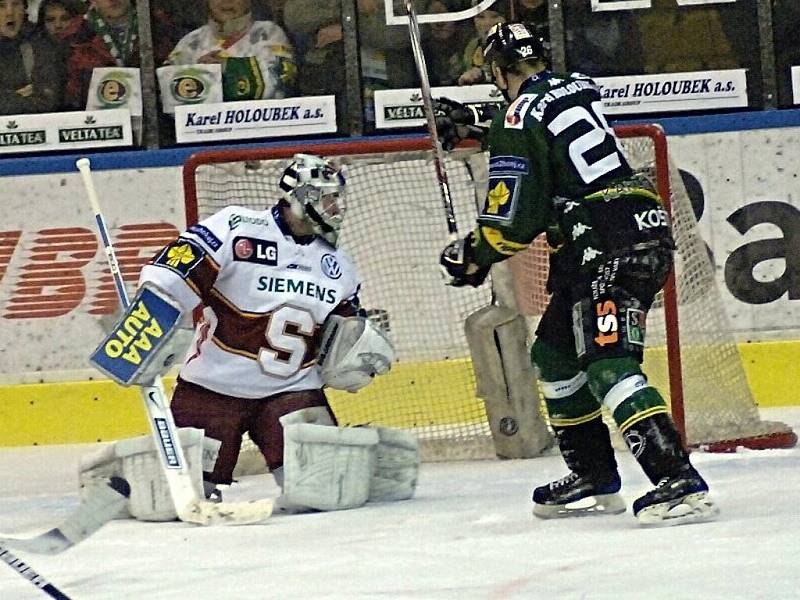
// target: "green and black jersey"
[[556, 165]]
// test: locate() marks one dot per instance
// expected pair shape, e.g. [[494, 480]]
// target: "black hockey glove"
[[456, 122], [456, 261]]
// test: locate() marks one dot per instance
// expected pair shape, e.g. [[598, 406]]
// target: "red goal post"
[[394, 229]]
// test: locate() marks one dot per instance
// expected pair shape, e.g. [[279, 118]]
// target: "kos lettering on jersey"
[[280, 285], [254, 250]]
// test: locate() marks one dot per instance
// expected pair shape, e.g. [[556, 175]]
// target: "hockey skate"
[[675, 500], [577, 496]]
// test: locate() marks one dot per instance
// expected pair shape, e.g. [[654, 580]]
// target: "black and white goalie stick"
[[101, 504], [26, 571], [188, 505], [430, 117]]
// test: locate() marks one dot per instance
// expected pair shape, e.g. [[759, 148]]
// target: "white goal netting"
[[395, 229]]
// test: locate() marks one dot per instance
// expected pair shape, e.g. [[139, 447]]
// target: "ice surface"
[[468, 533]]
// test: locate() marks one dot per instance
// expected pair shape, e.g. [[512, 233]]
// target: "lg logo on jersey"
[[254, 250], [649, 219]]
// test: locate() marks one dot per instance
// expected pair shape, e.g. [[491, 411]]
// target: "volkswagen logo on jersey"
[[330, 266]]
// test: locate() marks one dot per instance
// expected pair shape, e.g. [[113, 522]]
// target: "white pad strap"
[[137, 460], [624, 390], [352, 351], [327, 468]]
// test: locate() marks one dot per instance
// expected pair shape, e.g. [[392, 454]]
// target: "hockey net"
[[395, 229]]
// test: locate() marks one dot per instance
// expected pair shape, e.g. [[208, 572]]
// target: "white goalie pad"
[[326, 467], [353, 350], [397, 461], [137, 460]]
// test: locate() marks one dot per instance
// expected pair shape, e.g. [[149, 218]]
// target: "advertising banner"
[[403, 107], [65, 131], [115, 87], [189, 84], [255, 119], [673, 92]]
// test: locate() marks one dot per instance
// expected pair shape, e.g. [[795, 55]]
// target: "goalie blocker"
[[145, 341]]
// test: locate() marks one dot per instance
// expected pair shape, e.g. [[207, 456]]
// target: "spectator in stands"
[[106, 36], [54, 17], [257, 57], [32, 75], [183, 17], [473, 72], [683, 38], [785, 26], [444, 45], [53, 20], [270, 10], [386, 60], [602, 43]]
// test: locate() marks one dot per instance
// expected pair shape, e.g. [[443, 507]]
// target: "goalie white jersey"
[[265, 297]]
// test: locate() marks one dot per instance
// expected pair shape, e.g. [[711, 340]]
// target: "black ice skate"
[[675, 500], [577, 496]]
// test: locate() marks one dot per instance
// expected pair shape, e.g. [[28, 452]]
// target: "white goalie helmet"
[[315, 189]]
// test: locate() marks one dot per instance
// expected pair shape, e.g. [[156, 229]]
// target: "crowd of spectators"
[[278, 48]]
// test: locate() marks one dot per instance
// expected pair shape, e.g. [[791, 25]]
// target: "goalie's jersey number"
[[290, 342]]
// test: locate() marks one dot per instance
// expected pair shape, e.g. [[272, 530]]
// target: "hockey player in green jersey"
[[556, 167]]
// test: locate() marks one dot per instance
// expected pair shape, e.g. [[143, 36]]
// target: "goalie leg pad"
[[327, 468], [137, 461], [397, 461]]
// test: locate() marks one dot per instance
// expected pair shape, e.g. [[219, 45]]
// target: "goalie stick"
[[427, 107], [188, 505], [101, 505], [28, 573]]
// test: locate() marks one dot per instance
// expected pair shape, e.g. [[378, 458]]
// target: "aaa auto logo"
[[53, 272]]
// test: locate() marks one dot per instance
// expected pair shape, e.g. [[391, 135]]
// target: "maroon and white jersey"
[[265, 295]]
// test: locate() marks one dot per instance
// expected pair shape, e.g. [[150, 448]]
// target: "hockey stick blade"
[[203, 512], [102, 505]]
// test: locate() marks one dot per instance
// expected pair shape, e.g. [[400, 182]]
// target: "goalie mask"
[[315, 189]]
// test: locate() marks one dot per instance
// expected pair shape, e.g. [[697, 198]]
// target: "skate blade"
[[693, 508], [602, 504]]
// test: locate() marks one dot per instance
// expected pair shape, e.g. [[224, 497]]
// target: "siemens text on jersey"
[[280, 285]]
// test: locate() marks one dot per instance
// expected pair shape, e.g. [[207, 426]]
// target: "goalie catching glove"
[[457, 260], [353, 350], [456, 122]]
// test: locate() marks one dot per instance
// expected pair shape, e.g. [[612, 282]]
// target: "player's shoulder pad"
[[181, 256], [517, 110]]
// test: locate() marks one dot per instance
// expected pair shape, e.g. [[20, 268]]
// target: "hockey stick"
[[28, 573], [188, 505], [427, 107], [102, 505]]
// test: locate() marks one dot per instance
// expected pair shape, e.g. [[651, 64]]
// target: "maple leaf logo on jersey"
[[180, 255], [498, 197]]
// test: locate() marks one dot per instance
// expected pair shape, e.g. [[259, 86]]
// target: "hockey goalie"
[[281, 320]]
